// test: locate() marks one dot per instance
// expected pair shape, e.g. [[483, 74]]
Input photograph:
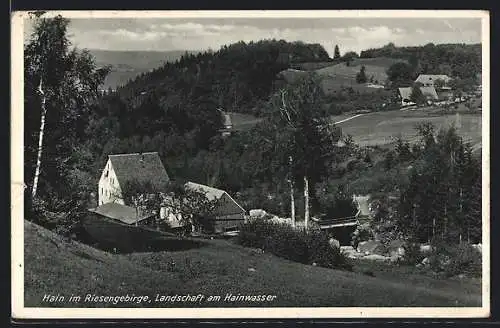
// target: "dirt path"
[[348, 119]]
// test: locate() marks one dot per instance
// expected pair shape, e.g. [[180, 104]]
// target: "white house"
[[121, 169], [227, 123], [428, 80]]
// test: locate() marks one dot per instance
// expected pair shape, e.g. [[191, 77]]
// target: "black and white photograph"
[[250, 164]]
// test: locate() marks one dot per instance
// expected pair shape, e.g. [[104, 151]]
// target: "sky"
[[351, 34]]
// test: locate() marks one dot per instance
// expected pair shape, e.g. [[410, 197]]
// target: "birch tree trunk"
[[40, 140], [306, 202], [292, 202]]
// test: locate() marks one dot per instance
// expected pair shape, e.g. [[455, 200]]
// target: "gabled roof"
[[405, 93], [123, 213], [431, 78], [428, 92], [210, 192], [142, 168]]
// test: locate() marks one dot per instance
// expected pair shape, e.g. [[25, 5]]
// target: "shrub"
[[452, 259], [362, 233], [36, 211], [412, 255], [301, 246]]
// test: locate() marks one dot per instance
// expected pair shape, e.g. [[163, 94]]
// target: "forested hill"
[[174, 108], [458, 60], [239, 76]]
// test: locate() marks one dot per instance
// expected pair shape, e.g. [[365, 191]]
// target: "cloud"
[[448, 24], [351, 34], [135, 36]]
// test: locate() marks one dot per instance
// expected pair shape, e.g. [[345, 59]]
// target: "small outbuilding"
[[227, 215]]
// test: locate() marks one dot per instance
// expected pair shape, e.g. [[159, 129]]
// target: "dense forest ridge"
[[242, 74]]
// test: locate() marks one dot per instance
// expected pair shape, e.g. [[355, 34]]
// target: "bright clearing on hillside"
[[381, 128]]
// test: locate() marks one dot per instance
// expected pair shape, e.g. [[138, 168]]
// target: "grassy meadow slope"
[[339, 75], [54, 265], [242, 122], [379, 128]]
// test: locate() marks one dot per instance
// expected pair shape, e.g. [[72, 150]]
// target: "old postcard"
[[250, 164]]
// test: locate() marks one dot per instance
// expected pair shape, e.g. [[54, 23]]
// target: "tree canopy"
[[60, 86], [400, 74], [456, 60]]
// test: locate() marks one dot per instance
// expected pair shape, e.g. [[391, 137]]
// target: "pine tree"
[[416, 95], [336, 52], [361, 76]]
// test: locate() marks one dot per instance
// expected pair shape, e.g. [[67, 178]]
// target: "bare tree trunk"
[[306, 201], [433, 227], [40, 140], [136, 214], [292, 202], [461, 202], [292, 196], [445, 220]]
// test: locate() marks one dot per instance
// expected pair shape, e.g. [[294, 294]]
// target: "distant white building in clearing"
[[428, 80], [405, 95]]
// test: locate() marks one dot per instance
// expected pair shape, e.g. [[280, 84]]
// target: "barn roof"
[[210, 192], [430, 78], [141, 168], [123, 213], [405, 93], [428, 92]]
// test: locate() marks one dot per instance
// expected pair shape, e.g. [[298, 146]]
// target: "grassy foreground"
[[56, 266]]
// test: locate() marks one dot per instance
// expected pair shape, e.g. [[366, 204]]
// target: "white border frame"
[[17, 183]]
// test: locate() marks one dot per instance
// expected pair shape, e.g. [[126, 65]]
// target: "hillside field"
[[336, 76], [242, 121], [54, 265], [380, 128]]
